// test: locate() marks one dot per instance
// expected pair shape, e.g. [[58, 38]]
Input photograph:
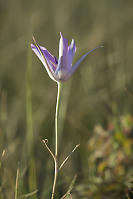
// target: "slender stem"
[[16, 186], [56, 139], [51, 153], [68, 156], [56, 118]]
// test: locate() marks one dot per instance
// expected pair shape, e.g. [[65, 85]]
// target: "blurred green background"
[[97, 102]]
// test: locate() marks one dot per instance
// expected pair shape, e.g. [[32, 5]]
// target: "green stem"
[[56, 139]]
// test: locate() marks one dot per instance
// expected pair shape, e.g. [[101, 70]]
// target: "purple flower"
[[61, 69]]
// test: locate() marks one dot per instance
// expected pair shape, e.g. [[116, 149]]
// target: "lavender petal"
[[45, 59], [63, 48], [80, 60], [71, 53]]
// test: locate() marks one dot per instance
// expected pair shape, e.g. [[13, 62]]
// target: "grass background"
[[97, 102]]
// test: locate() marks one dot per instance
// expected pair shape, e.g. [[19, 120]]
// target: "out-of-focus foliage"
[[110, 160], [97, 103]]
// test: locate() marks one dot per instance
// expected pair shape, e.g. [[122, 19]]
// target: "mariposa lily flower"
[[59, 70]]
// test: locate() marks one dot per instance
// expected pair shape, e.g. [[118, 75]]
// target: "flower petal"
[[63, 48], [48, 55], [71, 53], [50, 58], [80, 60], [46, 58]]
